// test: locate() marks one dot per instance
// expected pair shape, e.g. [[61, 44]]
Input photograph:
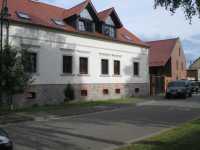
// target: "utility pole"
[[3, 18]]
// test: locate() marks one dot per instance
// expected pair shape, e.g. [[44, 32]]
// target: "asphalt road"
[[104, 130]]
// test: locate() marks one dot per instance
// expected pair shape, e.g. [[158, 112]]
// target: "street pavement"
[[104, 130]]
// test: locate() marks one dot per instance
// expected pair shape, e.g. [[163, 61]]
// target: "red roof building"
[[90, 50], [167, 62]]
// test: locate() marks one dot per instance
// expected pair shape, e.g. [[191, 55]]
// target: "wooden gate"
[[157, 85]]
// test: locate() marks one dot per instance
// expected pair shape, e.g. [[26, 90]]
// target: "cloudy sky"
[[149, 24]]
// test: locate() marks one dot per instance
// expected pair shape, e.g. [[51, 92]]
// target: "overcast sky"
[[149, 24]]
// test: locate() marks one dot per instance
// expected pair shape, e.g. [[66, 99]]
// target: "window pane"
[[85, 25], [109, 30], [67, 64], [81, 26], [136, 68], [116, 67], [104, 66], [83, 65], [31, 66]]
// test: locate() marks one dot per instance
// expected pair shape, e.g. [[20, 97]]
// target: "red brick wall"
[[178, 62]]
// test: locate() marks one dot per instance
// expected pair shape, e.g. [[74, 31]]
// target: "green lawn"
[[185, 137]]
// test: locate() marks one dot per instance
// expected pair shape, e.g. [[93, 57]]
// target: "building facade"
[[91, 51], [193, 73], [167, 63]]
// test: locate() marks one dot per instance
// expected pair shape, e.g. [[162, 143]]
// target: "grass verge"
[[185, 137], [49, 108]]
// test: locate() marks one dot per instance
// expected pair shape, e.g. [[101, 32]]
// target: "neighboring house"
[[193, 73], [167, 62], [91, 50]]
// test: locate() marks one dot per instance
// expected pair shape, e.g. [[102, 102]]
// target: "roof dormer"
[[110, 17]]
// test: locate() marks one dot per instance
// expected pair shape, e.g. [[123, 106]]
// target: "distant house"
[[193, 73], [90, 50], [167, 62]]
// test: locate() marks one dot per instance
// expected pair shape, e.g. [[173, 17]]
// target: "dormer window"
[[58, 22], [85, 22], [109, 30], [85, 25], [23, 15]]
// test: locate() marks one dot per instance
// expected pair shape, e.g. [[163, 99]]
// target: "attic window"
[[23, 15], [58, 22]]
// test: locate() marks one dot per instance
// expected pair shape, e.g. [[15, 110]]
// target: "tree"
[[191, 7], [14, 78]]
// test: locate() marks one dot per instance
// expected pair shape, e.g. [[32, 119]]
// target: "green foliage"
[[69, 92], [13, 78], [191, 7]]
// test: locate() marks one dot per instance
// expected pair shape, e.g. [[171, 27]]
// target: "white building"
[[90, 50]]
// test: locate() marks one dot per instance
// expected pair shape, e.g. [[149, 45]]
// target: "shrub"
[[69, 93]]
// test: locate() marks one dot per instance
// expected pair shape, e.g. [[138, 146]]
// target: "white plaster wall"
[[52, 45]]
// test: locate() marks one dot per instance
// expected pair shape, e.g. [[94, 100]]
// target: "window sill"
[[67, 74], [117, 75], [136, 76], [83, 75]]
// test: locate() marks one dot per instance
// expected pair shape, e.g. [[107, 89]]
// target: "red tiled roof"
[[160, 51], [42, 14]]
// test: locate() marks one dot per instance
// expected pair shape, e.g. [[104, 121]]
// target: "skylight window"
[[128, 37], [23, 15], [58, 22]]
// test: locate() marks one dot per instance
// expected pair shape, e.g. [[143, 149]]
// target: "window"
[[109, 30], [58, 22], [117, 91], [67, 64], [104, 67], [105, 91], [84, 92], [127, 37], [136, 69], [116, 67], [85, 25], [23, 15], [31, 95], [137, 90], [31, 66], [83, 65]]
